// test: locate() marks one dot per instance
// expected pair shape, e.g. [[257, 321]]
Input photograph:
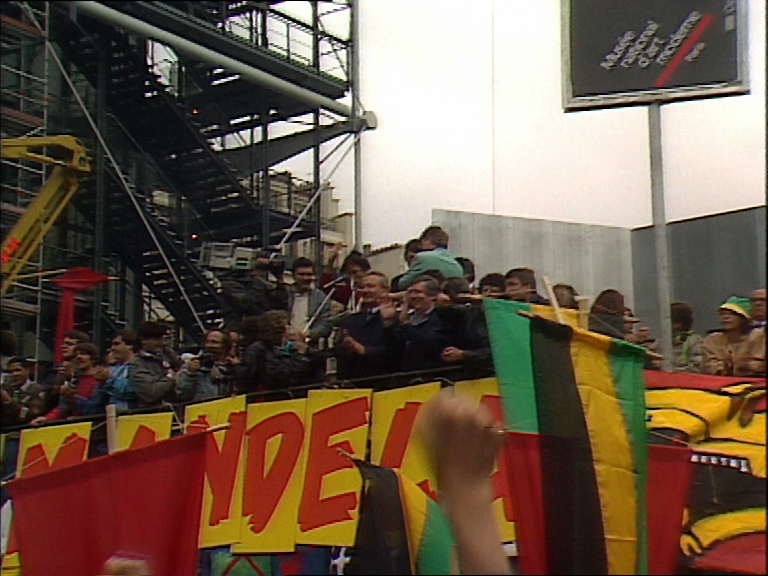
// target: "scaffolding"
[[25, 112], [184, 151]]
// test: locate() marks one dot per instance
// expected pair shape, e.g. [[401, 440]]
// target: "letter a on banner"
[[486, 391], [222, 496], [392, 441], [139, 430], [328, 513], [273, 468]]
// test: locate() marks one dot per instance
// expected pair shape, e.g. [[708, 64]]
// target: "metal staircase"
[[147, 236], [189, 296], [156, 120], [174, 130]]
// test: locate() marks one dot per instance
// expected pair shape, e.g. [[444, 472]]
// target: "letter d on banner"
[[273, 463]]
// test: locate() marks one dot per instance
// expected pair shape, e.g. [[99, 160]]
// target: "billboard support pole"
[[663, 272]]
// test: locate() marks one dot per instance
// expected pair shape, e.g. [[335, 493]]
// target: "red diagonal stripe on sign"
[[684, 49]]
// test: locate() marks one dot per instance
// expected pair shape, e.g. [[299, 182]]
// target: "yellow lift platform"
[[70, 163]]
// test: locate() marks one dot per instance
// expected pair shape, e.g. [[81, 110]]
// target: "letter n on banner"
[[223, 491], [41, 450], [139, 430], [273, 468], [486, 391], [392, 444], [328, 512]]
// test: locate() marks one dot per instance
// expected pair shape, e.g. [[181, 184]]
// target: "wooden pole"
[[111, 428], [583, 302], [553, 300]]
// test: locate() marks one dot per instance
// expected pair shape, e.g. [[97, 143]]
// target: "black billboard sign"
[[623, 52]]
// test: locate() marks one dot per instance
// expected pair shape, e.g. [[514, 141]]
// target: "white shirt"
[[300, 311]]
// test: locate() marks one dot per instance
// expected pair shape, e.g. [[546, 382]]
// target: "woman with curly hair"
[[273, 357]]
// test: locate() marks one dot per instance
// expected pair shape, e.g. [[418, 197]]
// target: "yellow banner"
[[278, 476], [392, 443], [222, 496], [273, 476], [52, 447], [338, 424], [487, 391], [139, 430]]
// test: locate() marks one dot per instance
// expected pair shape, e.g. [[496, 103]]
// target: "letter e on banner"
[[328, 512], [273, 465]]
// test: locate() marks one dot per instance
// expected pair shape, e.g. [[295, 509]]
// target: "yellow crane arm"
[[69, 158]]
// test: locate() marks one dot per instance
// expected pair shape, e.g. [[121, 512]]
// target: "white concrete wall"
[[468, 97]]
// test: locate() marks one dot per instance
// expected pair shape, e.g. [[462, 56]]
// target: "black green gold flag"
[[401, 529], [582, 394]]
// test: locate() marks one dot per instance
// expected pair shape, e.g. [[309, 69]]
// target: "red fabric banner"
[[670, 475], [523, 457], [73, 280], [747, 550], [669, 481], [659, 379], [69, 522]]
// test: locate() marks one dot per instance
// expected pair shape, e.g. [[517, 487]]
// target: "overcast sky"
[[469, 106]]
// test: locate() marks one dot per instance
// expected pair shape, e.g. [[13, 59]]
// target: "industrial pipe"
[[116, 18]]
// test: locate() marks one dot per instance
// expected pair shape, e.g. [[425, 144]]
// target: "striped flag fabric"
[[574, 401], [401, 529]]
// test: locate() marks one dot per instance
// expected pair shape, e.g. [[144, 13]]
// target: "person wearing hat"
[[726, 350]]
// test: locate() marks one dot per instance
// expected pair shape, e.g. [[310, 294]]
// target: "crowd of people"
[[350, 323]]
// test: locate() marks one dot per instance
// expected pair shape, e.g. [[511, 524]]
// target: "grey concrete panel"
[[590, 258], [711, 258]]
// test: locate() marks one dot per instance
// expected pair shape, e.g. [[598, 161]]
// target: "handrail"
[[402, 379]]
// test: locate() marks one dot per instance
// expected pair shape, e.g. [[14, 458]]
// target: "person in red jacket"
[[83, 394]]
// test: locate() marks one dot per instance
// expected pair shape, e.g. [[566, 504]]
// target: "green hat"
[[739, 305]]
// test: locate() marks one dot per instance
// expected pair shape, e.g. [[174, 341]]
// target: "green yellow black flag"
[[580, 397]]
